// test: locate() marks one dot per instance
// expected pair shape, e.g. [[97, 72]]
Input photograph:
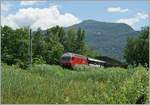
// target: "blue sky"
[[66, 13]]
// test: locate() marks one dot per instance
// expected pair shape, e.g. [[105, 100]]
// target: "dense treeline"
[[137, 49], [47, 46]]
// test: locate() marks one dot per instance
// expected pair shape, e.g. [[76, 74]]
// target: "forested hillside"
[[107, 38]]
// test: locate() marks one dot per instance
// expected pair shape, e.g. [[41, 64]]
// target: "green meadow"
[[46, 84]]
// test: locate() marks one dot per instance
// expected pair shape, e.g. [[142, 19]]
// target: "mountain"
[[107, 38]]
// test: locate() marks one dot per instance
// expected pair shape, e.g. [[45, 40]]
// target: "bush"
[[137, 49], [38, 61]]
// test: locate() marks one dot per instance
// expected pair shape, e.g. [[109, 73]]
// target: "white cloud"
[[133, 20], [37, 17], [7, 21], [117, 9], [5, 6], [25, 3]]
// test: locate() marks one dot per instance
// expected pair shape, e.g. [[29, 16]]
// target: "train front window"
[[66, 58]]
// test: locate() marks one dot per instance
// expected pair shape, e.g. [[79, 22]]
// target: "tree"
[[70, 45], [129, 51], [80, 41], [39, 44], [20, 47], [61, 35], [137, 49], [87, 51], [15, 46], [7, 41], [56, 52], [54, 39]]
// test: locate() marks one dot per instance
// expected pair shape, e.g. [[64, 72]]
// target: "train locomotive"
[[69, 60]]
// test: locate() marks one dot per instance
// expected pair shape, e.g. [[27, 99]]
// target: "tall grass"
[[52, 84]]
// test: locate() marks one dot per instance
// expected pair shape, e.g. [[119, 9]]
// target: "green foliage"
[[87, 51], [137, 49], [15, 46], [46, 84], [38, 60], [7, 34], [71, 40], [38, 43], [56, 51], [47, 46], [80, 41]]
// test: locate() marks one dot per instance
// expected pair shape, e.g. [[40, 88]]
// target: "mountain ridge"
[[107, 38]]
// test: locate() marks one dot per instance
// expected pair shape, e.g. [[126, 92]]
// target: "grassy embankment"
[[52, 84]]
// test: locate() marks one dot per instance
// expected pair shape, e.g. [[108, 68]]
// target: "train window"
[[66, 58]]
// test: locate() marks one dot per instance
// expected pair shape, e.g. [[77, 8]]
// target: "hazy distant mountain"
[[107, 38]]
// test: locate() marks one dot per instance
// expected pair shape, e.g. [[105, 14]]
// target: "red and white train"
[[70, 60]]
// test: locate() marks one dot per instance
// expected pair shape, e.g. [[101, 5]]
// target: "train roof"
[[91, 59], [67, 54], [73, 54]]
